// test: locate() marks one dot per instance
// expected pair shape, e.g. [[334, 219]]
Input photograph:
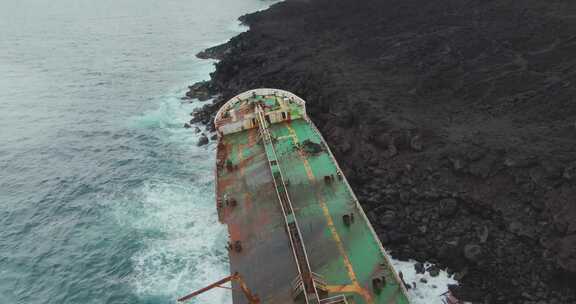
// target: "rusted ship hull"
[[297, 231]]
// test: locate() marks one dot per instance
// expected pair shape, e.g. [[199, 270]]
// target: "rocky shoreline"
[[453, 120]]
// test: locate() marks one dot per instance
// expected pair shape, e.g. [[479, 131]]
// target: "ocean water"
[[104, 196]]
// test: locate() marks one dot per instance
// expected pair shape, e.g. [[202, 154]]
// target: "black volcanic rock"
[[453, 120], [472, 252], [433, 270], [216, 52], [203, 140], [201, 90], [419, 267]]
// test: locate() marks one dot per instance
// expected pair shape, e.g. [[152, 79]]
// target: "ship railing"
[[297, 280], [262, 91], [319, 282], [297, 286], [318, 279]]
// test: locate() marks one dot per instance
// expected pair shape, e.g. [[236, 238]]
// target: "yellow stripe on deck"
[[355, 286]]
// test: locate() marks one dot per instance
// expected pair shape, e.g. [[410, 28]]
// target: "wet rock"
[[200, 90], [197, 130], [214, 137], [202, 141], [459, 276], [187, 125], [433, 270], [419, 267], [401, 276], [216, 52], [203, 115]]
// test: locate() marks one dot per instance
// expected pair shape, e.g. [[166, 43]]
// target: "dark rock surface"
[[454, 121], [203, 140], [216, 52], [201, 90]]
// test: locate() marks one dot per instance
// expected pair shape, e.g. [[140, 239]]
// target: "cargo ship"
[[297, 233]]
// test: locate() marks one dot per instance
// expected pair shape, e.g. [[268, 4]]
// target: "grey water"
[[104, 197]]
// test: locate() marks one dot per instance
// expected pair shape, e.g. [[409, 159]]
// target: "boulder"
[[566, 253], [570, 171], [200, 90], [216, 52], [416, 143], [387, 219], [419, 267], [448, 207], [433, 270], [472, 252], [202, 141], [458, 164]]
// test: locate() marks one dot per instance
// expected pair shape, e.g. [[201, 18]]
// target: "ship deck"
[[347, 256]]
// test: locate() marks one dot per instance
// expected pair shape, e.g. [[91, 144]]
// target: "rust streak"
[[252, 137], [247, 201], [240, 155]]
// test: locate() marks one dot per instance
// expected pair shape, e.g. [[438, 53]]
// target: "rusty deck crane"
[[250, 297]]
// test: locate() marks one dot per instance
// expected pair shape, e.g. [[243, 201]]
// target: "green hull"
[[290, 211]]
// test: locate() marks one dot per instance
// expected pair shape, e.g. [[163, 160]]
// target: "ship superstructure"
[[297, 231]]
